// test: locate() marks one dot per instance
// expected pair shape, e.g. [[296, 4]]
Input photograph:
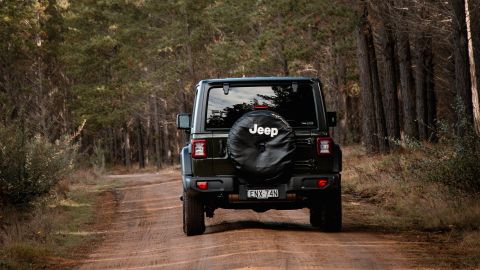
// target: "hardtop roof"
[[257, 79]]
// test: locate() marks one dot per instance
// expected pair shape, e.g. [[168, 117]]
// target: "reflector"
[[203, 185], [321, 183]]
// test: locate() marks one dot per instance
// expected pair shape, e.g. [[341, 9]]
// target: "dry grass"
[[134, 168], [470, 245], [448, 218], [392, 182], [40, 237]]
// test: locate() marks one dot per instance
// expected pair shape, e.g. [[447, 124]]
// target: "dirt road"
[[147, 234]]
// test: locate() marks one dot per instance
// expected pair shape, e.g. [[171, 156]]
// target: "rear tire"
[[193, 215], [327, 213], [316, 216], [333, 213]]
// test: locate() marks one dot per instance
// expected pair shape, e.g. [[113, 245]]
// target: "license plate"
[[262, 193]]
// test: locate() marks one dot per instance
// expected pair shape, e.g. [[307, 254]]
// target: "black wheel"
[[193, 215], [333, 212], [316, 216], [327, 213]]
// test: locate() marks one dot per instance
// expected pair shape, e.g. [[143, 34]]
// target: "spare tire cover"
[[261, 145]]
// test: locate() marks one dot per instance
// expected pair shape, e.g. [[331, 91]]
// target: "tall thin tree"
[[406, 80], [462, 68], [420, 86], [387, 49], [472, 9], [367, 99], [381, 132]]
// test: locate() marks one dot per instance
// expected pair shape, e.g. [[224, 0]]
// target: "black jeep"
[[260, 143]]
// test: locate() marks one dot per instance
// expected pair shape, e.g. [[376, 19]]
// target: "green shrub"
[[454, 161], [30, 167]]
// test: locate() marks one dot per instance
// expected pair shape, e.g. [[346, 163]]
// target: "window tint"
[[297, 108]]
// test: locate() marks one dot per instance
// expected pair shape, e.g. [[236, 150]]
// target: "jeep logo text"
[[261, 130]]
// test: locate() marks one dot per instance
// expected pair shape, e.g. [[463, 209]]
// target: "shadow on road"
[[250, 224], [286, 226]]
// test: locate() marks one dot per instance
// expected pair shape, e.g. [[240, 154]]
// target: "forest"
[[93, 87], [99, 82]]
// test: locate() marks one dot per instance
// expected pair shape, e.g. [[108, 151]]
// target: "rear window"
[[297, 108]]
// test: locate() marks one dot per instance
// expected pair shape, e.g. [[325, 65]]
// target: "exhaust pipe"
[[233, 197], [291, 196]]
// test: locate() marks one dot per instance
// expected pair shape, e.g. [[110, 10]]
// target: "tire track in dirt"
[[147, 234]]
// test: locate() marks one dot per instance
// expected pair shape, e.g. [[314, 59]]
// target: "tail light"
[[322, 182], [324, 146], [199, 148]]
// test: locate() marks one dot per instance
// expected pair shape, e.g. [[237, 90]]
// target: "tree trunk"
[[462, 68], [430, 90], [390, 82], [381, 134], [176, 142], [140, 142], [283, 59], [115, 146], [332, 96], [179, 142], [341, 98], [167, 153], [183, 96], [406, 82], [156, 123], [190, 56], [128, 161], [353, 119], [420, 87], [472, 9], [148, 134], [368, 105]]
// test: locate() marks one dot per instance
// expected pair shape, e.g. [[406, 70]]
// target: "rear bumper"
[[230, 184]]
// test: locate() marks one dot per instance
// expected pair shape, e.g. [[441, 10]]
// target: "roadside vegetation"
[[428, 191], [56, 230], [30, 165]]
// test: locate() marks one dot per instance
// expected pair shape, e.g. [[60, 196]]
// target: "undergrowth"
[[432, 188], [30, 166], [405, 184], [45, 235], [428, 186]]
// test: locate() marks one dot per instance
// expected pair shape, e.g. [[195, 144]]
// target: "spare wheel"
[[261, 145]]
